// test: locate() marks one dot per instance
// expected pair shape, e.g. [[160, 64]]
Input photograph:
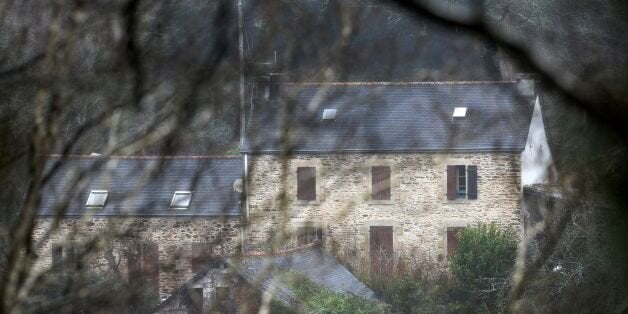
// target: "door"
[[381, 249]]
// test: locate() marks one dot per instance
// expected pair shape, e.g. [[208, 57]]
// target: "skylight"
[[181, 199], [97, 198], [329, 114], [460, 112]]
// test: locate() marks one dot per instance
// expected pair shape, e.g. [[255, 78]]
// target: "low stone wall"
[[419, 211], [173, 236]]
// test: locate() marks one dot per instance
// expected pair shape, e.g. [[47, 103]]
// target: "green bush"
[[483, 262], [407, 295], [318, 299]]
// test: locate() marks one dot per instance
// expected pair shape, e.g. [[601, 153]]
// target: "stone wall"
[[419, 211], [174, 237]]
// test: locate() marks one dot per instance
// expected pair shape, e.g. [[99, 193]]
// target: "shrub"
[[483, 262], [318, 299]]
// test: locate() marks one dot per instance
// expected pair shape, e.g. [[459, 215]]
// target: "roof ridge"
[[400, 83], [148, 157]]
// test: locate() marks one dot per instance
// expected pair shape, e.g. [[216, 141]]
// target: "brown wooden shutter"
[[380, 182], [306, 183], [472, 182], [381, 249], [451, 182]]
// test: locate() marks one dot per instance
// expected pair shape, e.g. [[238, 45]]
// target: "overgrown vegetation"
[[484, 261], [477, 281], [318, 299]]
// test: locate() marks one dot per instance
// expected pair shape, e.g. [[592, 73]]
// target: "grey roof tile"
[[394, 117], [144, 186]]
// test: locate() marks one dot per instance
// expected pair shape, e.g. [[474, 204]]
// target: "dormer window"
[[329, 114], [97, 198], [460, 112], [181, 200]]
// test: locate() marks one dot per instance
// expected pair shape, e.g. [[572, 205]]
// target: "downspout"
[[242, 122]]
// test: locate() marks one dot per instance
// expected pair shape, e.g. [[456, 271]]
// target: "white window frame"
[[181, 193], [92, 198]]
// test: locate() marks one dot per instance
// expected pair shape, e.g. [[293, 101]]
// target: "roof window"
[[329, 114], [460, 112], [181, 200], [97, 198]]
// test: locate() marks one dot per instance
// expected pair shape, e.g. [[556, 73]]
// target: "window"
[[329, 114], [64, 258], [306, 183], [460, 112], [380, 183], [181, 199], [97, 198], [453, 234], [143, 264], [201, 255], [306, 235], [462, 182]]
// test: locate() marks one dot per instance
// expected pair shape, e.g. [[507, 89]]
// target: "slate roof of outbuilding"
[[311, 261], [392, 117], [143, 186], [263, 270]]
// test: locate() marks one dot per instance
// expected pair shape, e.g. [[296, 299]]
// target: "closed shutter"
[[306, 183], [380, 182], [381, 249], [472, 182], [451, 182]]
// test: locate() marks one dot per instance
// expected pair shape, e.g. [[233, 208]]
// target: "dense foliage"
[[318, 299], [484, 260]]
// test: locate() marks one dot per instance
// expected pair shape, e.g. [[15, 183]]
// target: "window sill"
[[381, 202], [461, 201], [304, 202]]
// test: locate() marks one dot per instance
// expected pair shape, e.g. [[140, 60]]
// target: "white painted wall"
[[536, 160]]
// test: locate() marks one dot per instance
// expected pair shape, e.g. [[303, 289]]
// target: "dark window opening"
[[306, 235], [380, 180], [201, 255], [461, 182], [306, 183], [65, 258], [57, 257]]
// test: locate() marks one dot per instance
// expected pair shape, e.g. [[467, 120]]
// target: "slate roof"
[[393, 117], [144, 186], [313, 262], [263, 270]]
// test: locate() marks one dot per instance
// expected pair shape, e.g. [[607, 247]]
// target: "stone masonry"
[[419, 211], [174, 237]]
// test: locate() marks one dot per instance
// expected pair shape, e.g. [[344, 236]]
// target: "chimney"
[[267, 80], [525, 84]]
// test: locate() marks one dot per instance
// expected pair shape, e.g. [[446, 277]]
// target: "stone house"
[[168, 215], [383, 169], [371, 170]]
